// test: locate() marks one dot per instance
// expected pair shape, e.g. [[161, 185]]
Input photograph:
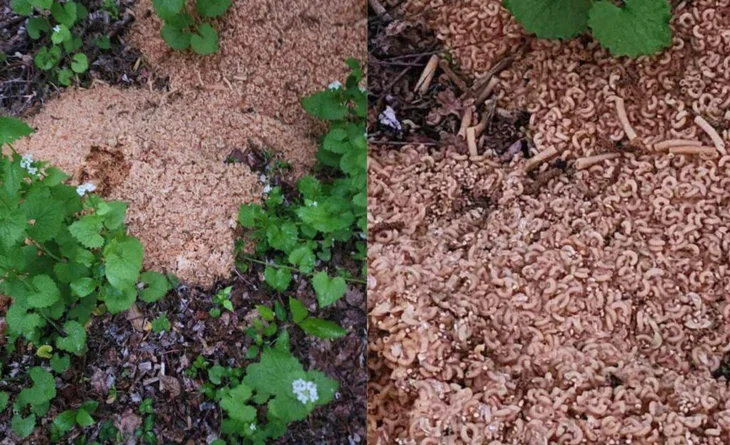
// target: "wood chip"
[[539, 158], [427, 76], [589, 161]]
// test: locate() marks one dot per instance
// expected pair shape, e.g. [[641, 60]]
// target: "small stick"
[[623, 118], [482, 125], [380, 11], [471, 141], [716, 139], [663, 145], [427, 76], [465, 122], [491, 85], [693, 150], [539, 158], [458, 81], [589, 161], [498, 67]]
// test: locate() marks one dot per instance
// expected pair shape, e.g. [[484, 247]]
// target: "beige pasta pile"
[[583, 304]]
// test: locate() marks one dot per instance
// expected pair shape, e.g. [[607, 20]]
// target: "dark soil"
[[24, 87]]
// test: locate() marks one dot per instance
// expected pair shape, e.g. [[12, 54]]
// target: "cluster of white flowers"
[[252, 427], [267, 189], [305, 391], [84, 188], [57, 28], [336, 85], [27, 163], [388, 118]]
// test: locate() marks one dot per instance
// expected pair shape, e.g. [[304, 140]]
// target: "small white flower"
[[305, 391], [85, 188], [26, 161], [363, 90], [252, 427], [336, 85], [388, 118], [57, 28], [314, 203], [33, 170], [263, 179], [267, 189]]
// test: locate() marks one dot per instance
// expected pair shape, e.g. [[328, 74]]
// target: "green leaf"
[[176, 38], [44, 292], [328, 290], [22, 322], [156, 286], [75, 341], [103, 42], [42, 5], [277, 278], [90, 406], [86, 231], [309, 187], [641, 27], [44, 351], [551, 19], [205, 41], [65, 421], [4, 398], [83, 418], [73, 44], [336, 141], [113, 213], [65, 77], [23, 427], [327, 105], [322, 328], [282, 237], [303, 257], [249, 214], [167, 9], [21, 7], [161, 324], [60, 34], [80, 63], [60, 363], [12, 129], [212, 8], [36, 26], [43, 389], [64, 13], [283, 342], [274, 373], [83, 286], [326, 387], [47, 214], [265, 312], [298, 310], [216, 373], [123, 262], [234, 402]]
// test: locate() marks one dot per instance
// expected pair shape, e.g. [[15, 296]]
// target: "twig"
[[589, 161], [458, 81], [712, 133], [471, 141], [661, 146], [427, 76], [539, 158], [465, 121], [491, 85], [498, 67], [693, 150], [624, 119], [380, 11]]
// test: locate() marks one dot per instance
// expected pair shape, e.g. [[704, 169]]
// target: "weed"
[[182, 30]]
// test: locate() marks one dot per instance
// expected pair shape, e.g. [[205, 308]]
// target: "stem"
[[47, 252], [280, 266]]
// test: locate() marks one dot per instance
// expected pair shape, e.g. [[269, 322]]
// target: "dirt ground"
[[164, 151], [518, 296]]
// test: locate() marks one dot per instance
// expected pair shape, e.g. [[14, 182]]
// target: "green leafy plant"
[[222, 299], [58, 25], [161, 324], [329, 211], [637, 27], [182, 29], [65, 255], [146, 431], [65, 421]]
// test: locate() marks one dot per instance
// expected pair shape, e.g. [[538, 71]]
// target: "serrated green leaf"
[[161, 324], [282, 237], [298, 310], [176, 38], [277, 278], [113, 213], [326, 387], [212, 8], [234, 403], [640, 27], [86, 231], [326, 105], [303, 257], [551, 19], [79, 63], [167, 9], [156, 286], [309, 187], [23, 427], [216, 373], [336, 141], [249, 214], [36, 26], [43, 389], [60, 363], [118, 300], [44, 292], [274, 373], [83, 286], [22, 322], [123, 263], [328, 290], [64, 13], [47, 216], [12, 129], [75, 340], [205, 41], [322, 328]]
